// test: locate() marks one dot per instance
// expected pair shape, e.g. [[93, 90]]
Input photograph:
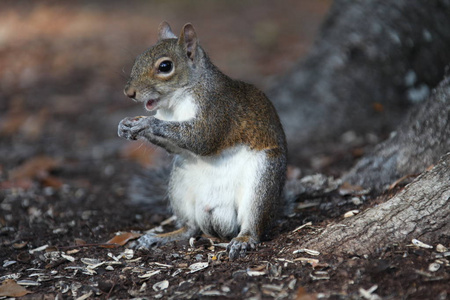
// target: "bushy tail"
[[148, 189]]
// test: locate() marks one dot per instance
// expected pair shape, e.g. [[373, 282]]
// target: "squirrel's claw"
[[238, 246], [130, 128]]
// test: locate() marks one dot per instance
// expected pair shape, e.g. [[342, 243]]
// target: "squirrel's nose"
[[130, 92]]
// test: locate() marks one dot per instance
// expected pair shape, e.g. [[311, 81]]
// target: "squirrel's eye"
[[165, 66]]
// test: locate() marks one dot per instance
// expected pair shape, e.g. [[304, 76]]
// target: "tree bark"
[[372, 60], [420, 211], [418, 143]]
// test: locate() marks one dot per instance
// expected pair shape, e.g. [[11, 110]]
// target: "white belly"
[[215, 193]]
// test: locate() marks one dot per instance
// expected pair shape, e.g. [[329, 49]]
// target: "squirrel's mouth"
[[151, 104]]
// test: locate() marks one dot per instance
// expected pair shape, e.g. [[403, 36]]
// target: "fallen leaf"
[[10, 288], [121, 239], [79, 242], [303, 295], [35, 167], [51, 181]]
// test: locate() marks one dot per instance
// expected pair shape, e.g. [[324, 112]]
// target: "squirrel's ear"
[[188, 39], [165, 32]]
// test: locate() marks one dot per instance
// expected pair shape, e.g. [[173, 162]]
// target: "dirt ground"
[[65, 175]]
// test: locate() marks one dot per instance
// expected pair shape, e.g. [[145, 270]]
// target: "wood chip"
[[27, 282], [308, 260], [291, 284], [90, 261], [284, 260], [116, 258], [162, 285], [170, 220], [319, 275], [441, 248], [368, 294], [254, 273], [308, 205], [85, 296], [68, 257], [143, 287], [433, 267], [273, 287], [18, 246], [351, 213], [198, 267], [308, 251], [13, 276], [42, 248], [423, 273], [128, 254], [302, 226], [93, 267], [348, 189], [7, 263], [211, 293], [421, 244], [73, 251], [162, 265], [149, 274]]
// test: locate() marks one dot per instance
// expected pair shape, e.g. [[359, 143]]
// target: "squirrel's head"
[[166, 67]]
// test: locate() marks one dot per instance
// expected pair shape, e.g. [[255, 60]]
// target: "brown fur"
[[230, 113]]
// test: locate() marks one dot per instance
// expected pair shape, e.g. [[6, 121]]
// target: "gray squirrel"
[[228, 144]]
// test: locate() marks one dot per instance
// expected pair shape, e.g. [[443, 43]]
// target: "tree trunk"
[[420, 211], [418, 143], [370, 62]]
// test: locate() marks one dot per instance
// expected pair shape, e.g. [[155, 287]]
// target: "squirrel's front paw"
[[131, 128], [239, 245]]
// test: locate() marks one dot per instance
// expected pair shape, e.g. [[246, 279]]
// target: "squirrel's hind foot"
[[239, 245], [151, 239], [147, 241]]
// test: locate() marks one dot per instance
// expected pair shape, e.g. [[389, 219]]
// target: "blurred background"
[[66, 178], [63, 65]]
